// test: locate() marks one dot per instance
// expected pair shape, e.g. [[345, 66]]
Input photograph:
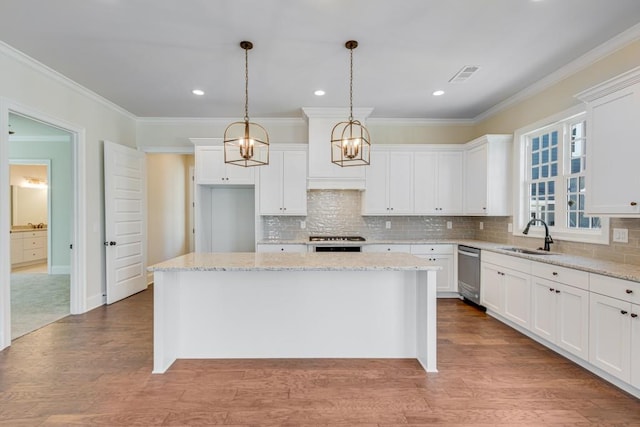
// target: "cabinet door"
[[613, 129], [425, 172], [239, 175], [491, 291], [517, 297], [400, 183], [387, 248], [209, 165], [573, 320], [375, 196], [444, 277], [543, 309], [17, 250], [635, 345], [450, 182], [609, 333], [294, 184], [271, 177], [475, 187]]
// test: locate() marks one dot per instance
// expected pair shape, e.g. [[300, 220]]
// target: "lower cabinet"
[[440, 256], [287, 247], [506, 287], [28, 246], [560, 315]]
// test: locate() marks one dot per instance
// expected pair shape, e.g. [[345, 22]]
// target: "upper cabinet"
[[212, 170], [389, 183], [283, 182], [613, 145], [487, 178], [438, 182]]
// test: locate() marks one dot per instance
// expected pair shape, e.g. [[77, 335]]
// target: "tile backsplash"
[[333, 212]]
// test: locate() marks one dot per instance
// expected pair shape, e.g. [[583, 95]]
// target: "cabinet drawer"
[[432, 249], [30, 234], [386, 248], [34, 243], [507, 261], [625, 290], [33, 254], [568, 276], [16, 236], [288, 247]]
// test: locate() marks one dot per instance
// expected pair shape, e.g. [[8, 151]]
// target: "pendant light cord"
[[246, 85], [351, 85]]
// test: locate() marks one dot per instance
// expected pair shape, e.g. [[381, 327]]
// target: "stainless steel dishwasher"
[[469, 273]]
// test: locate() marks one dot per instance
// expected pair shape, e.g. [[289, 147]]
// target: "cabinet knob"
[[551, 289], [555, 273], [633, 204], [557, 291], [629, 291], [634, 315], [623, 312]]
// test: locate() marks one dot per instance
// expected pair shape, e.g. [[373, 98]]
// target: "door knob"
[[110, 243]]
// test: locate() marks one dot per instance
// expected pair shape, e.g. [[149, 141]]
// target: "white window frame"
[[521, 190]]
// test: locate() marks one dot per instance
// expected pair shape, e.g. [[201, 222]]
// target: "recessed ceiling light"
[[318, 92], [198, 92], [438, 93]]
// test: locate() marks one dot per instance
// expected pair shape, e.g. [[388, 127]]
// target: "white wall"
[[31, 87]]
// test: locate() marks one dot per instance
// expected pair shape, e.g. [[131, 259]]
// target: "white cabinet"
[[279, 247], [212, 170], [386, 248], [28, 246], [438, 182], [560, 307], [389, 184], [506, 287], [613, 132], [440, 256], [283, 183], [613, 327], [487, 176]]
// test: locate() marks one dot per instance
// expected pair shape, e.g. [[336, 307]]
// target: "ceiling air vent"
[[464, 74]]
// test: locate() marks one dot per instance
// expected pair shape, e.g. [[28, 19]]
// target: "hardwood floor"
[[95, 369]]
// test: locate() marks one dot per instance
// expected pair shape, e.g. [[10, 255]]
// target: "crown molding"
[[222, 121], [419, 122], [336, 112], [610, 86], [38, 66], [607, 48]]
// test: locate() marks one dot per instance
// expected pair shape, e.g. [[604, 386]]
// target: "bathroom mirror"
[[29, 194]]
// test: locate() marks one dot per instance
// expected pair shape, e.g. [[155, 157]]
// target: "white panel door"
[[573, 320], [400, 183], [294, 185], [517, 297], [450, 182], [125, 221], [543, 308]]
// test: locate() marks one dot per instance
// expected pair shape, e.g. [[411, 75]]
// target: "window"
[[553, 189]]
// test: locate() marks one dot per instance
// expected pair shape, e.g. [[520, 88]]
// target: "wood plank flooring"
[[95, 369]]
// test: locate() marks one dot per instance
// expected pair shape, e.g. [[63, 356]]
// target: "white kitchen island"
[[294, 305]]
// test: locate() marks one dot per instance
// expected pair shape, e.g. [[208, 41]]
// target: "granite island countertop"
[[309, 261], [590, 265]]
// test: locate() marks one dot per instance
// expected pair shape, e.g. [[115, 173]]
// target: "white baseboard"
[[96, 301]]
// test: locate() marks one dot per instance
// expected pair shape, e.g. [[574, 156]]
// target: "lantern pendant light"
[[350, 142], [246, 143]]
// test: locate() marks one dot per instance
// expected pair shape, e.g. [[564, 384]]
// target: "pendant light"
[[246, 143], [350, 142]]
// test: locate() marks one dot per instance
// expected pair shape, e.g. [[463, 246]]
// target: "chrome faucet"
[[547, 237]]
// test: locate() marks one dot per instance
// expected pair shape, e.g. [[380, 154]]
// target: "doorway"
[[41, 212]]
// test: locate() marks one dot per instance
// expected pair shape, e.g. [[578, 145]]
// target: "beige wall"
[[167, 206]]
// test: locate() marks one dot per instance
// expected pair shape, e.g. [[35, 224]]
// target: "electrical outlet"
[[621, 235], [303, 225], [481, 225], [509, 228], [387, 225], [449, 225]]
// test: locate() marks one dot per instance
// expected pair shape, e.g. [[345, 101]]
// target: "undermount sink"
[[527, 251]]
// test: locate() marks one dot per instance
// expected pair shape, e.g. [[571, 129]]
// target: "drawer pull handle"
[[629, 291], [557, 291], [633, 203], [555, 273], [634, 315], [623, 311]]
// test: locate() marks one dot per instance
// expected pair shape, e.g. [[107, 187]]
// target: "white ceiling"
[[147, 55]]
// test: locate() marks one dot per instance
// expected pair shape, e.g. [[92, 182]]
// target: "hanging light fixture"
[[350, 142], [246, 143]]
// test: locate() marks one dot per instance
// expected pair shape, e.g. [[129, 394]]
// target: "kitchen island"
[[294, 305]]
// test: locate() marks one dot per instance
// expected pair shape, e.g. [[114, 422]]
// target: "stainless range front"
[[337, 243]]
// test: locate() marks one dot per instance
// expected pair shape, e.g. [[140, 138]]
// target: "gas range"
[[336, 239]]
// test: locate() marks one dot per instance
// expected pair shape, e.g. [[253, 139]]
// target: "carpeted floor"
[[37, 300]]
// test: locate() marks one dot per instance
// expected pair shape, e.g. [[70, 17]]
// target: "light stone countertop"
[[590, 265], [311, 261]]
